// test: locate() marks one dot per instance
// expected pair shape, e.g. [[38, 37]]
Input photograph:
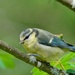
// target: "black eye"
[[26, 37]]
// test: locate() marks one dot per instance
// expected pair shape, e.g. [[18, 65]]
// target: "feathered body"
[[46, 45]]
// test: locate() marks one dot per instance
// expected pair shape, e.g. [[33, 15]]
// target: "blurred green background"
[[17, 15]]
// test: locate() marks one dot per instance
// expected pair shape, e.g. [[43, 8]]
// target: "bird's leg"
[[38, 58], [32, 58], [31, 54], [35, 55]]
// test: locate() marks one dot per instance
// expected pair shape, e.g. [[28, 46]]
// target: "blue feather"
[[62, 44], [59, 43], [72, 48]]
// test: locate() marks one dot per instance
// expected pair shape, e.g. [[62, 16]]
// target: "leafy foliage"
[[67, 61], [71, 72], [6, 61], [36, 71]]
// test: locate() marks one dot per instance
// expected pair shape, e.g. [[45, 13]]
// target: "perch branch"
[[26, 58], [68, 3]]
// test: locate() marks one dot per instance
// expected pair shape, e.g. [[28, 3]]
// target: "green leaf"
[[72, 64], [7, 60], [66, 61], [36, 71], [2, 65], [68, 57], [70, 71]]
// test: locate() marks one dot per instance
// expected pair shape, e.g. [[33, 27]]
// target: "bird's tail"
[[71, 47]]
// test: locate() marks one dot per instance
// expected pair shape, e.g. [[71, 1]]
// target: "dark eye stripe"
[[26, 37]]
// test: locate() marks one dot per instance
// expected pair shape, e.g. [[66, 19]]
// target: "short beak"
[[21, 42]]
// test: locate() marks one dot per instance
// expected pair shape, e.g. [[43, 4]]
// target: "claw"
[[32, 59]]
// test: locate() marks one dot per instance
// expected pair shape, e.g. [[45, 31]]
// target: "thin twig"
[[67, 4]]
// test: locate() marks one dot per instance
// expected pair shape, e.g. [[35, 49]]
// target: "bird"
[[44, 45]]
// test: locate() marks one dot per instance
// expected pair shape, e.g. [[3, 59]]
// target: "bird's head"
[[28, 36]]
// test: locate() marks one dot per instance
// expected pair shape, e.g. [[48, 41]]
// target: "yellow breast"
[[46, 53]]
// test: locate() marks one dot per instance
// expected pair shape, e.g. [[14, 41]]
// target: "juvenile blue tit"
[[47, 46]]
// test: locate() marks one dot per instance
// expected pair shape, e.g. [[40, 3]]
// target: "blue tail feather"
[[72, 47]]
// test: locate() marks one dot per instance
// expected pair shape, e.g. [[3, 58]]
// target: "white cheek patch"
[[32, 36], [21, 38]]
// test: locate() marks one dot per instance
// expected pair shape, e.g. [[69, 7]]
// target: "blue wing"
[[56, 42]]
